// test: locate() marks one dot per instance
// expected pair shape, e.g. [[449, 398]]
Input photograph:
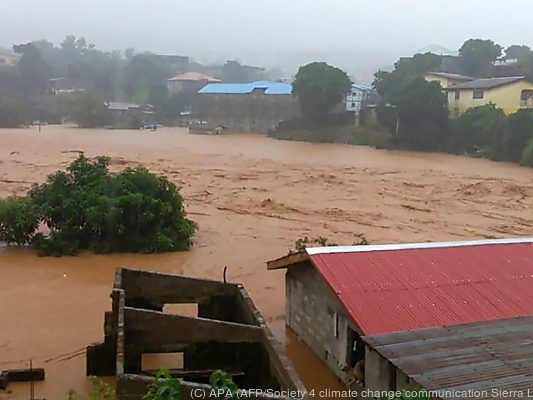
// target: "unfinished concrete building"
[[228, 333], [256, 107], [337, 296]]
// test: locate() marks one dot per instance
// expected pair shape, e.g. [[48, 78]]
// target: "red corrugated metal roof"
[[387, 290]]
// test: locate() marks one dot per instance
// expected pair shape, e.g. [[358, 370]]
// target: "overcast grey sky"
[[270, 32]]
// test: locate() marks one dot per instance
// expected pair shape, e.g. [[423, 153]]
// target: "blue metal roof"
[[245, 88], [362, 86]]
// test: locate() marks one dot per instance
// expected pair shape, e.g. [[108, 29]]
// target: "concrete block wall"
[[257, 113], [311, 311]]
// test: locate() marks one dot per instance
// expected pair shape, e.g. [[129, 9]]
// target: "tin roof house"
[[189, 82], [248, 107], [346, 303]]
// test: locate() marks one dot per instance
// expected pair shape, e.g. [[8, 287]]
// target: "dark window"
[[336, 325], [478, 94], [457, 94], [526, 95], [355, 350]]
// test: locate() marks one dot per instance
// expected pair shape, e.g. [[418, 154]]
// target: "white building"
[[356, 97]]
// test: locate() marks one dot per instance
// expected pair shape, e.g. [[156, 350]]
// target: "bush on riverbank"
[[87, 207], [377, 139], [312, 136], [346, 135], [527, 155], [13, 113]]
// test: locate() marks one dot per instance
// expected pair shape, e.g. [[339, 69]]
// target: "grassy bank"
[[359, 137]]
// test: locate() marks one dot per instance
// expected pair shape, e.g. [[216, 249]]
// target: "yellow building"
[[509, 93], [446, 79]]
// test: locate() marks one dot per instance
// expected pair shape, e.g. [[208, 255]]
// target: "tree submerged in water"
[[87, 207]]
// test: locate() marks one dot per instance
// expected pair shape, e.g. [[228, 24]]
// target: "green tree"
[[89, 111], [141, 73], [478, 131], [518, 132], [524, 57], [518, 52], [477, 56], [169, 111], [87, 207], [34, 72], [319, 87], [527, 154], [158, 96], [390, 85], [13, 113], [18, 220], [422, 117], [233, 71]]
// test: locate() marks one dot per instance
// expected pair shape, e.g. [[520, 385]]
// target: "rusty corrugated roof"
[[194, 76], [400, 287], [486, 357]]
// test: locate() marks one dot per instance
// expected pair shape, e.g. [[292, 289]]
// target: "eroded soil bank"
[[252, 197]]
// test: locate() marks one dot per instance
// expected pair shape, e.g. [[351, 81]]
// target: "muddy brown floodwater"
[[252, 197]]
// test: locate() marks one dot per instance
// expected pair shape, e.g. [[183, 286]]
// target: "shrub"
[[379, 140], [319, 87], [478, 131], [527, 154], [423, 117], [519, 131], [18, 221], [13, 113], [86, 207], [127, 122], [312, 136], [164, 387], [89, 111]]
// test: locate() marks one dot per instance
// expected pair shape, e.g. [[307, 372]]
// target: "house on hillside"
[[65, 85], [509, 93], [507, 67], [248, 107], [447, 79], [189, 82], [357, 97], [338, 296], [120, 108]]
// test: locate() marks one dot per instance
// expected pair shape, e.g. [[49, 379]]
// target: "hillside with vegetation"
[[95, 77], [415, 111]]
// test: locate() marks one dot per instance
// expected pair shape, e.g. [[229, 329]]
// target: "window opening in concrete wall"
[[185, 309]]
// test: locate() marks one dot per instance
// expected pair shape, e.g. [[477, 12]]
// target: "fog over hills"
[[356, 35]]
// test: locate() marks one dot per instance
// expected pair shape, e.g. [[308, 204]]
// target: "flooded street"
[[252, 197]]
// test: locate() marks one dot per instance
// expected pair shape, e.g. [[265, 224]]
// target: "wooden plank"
[[21, 375], [156, 328], [185, 374], [170, 289], [288, 260]]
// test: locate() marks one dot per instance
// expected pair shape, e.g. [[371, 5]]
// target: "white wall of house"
[[355, 99]]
